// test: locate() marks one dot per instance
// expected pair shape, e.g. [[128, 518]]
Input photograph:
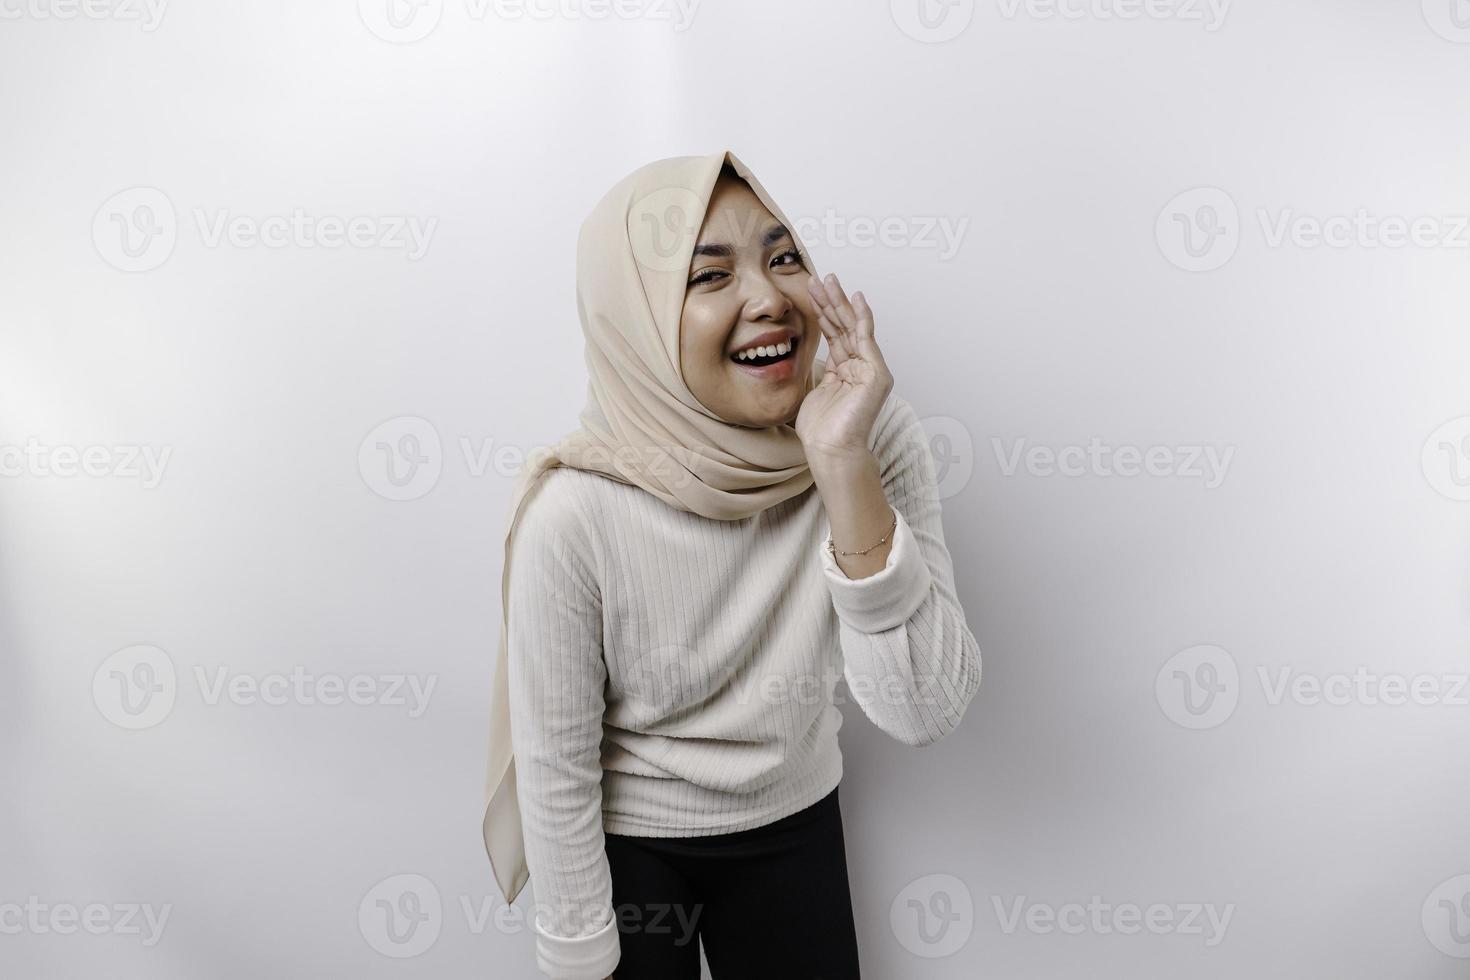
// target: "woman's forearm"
[[857, 510]]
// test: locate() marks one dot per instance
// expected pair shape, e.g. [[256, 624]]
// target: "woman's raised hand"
[[837, 417]]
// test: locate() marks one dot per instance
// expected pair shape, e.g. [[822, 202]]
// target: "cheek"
[[812, 330], [703, 331], [802, 300]]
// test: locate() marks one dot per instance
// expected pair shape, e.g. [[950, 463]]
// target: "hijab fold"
[[641, 424]]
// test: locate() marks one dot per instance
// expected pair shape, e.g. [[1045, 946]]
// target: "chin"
[[760, 403], [775, 409]]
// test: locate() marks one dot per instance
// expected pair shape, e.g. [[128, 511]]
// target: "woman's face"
[[746, 290]]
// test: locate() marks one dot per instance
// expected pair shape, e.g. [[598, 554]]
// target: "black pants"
[[770, 903]]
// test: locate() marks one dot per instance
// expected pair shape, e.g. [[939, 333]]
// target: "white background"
[[280, 836]]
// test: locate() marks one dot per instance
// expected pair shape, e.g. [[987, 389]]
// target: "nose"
[[765, 300]]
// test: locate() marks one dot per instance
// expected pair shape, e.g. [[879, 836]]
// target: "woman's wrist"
[[840, 464], [858, 512]]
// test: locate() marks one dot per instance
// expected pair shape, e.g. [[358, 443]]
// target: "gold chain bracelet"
[[832, 546]]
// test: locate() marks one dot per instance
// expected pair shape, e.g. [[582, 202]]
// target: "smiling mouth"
[[762, 356]]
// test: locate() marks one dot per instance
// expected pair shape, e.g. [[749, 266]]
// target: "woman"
[[734, 524]]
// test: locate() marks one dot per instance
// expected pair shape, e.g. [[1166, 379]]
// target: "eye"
[[790, 253], [788, 258], [706, 275]]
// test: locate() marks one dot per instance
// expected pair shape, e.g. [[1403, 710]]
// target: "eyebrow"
[[721, 250]]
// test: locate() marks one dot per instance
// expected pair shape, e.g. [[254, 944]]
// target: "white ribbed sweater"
[[672, 675]]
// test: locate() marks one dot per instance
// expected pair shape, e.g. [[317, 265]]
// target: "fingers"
[[847, 325], [864, 314], [855, 327], [865, 341], [855, 318], [831, 329], [836, 341], [836, 306]]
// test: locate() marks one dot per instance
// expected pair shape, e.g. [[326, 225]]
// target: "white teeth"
[[765, 351]]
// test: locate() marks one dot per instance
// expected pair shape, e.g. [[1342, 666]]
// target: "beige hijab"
[[641, 425]]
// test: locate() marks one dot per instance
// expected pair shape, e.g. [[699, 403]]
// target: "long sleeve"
[[556, 675], [909, 657]]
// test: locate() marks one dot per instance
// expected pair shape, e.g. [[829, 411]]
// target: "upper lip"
[[769, 339]]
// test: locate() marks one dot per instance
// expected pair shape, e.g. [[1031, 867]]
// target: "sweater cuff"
[[578, 958], [889, 596]]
